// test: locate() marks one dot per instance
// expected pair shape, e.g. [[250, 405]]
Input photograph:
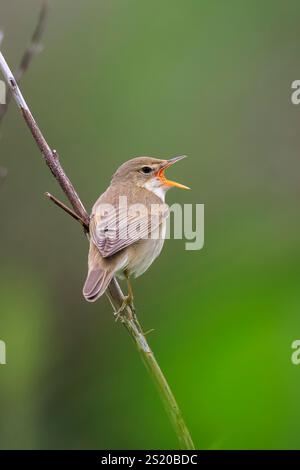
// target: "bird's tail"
[[98, 277]]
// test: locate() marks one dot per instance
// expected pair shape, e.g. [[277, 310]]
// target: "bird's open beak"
[[161, 175]]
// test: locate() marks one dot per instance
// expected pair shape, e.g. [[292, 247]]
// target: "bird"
[[128, 225]]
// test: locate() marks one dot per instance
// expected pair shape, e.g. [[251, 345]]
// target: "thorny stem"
[[114, 291]]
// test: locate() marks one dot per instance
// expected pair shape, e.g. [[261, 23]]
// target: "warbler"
[[128, 224]]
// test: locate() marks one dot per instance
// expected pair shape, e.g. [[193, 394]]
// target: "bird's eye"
[[146, 169]]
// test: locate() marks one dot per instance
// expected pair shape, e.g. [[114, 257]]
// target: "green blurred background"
[[117, 79]]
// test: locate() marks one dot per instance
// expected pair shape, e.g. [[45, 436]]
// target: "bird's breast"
[[141, 254]]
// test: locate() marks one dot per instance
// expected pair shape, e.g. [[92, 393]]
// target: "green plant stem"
[[134, 328]]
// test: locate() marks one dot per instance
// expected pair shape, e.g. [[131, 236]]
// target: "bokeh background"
[[117, 79]]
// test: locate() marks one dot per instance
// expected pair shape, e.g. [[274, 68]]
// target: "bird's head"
[[149, 173]]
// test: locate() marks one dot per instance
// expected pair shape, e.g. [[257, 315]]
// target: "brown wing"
[[115, 226]]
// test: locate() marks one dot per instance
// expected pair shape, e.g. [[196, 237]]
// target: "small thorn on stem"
[[149, 331]]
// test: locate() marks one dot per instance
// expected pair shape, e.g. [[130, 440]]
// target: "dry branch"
[[31, 51]]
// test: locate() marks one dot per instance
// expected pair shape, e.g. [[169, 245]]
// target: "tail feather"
[[96, 284], [98, 277]]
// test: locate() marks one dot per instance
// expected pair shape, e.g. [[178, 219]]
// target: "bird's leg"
[[130, 291], [127, 300]]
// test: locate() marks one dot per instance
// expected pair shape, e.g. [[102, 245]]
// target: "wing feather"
[[114, 228]]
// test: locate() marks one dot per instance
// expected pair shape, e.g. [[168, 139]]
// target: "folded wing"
[[114, 228]]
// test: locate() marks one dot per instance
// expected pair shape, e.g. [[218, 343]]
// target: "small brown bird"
[[128, 224]]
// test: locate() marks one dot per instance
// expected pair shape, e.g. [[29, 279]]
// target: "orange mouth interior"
[[161, 175]]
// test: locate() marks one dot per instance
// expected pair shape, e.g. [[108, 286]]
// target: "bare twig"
[[32, 50], [35, 45], [114, 291], [67, 210]]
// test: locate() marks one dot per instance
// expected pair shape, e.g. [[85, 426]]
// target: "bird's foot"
[[127, 302]]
